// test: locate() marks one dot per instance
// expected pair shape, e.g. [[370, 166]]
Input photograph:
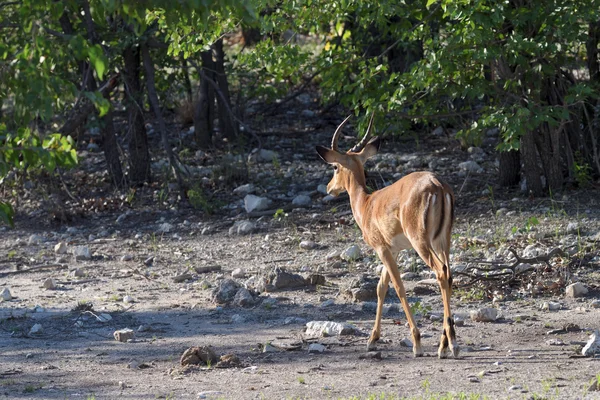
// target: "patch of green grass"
[[301, 380]]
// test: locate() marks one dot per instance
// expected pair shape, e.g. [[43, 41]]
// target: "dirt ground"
[[75, 355]]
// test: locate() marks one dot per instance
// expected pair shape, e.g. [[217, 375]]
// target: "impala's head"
[[349, 166]]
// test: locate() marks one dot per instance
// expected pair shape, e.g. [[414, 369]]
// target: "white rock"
[[82, 253], [121, 218], [165, 227], [351, 253], [49, 284], [35, 239], [128, 299], [6, 295], [127, 257], [484, 314], [244, 189], [329, 328], [123, 335], [573, 227], [104, 317], [242, 228], [406, 342], [255, 203], [593, 345], [531, 251], [238, 273], [328, 198], [307, 245], [60, 248], [302, 201], [269, 349], [551, 306], [409, 276], [37, 328], [316, 348], [576, 289]]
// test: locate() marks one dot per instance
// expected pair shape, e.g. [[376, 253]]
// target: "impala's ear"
[[328, 155], [370, 149]]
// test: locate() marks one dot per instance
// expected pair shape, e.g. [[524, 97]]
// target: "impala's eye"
[[335, 168]]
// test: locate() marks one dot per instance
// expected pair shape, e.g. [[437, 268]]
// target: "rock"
[[60, 248], [243, 298], [302, 201], [593, 345], [315, 348], [229, 361], [595, 303], [327, 303], [484, 315], [238, 273], [123, 335], [128, 299], [551, 306], [459, 321], [49, 284], [264, 155], [35, 329], [294, 320], [242, 228], [244, 189], [182, 277], [573, 228], [334, 255], [555, 342], [225, 292], [5, 295], [362, 289], [470, 166], [268, 348], [35, 239], [121, 218], [322, 189], [197, 355], [308, 245], [409, 276], [328, 328], [531, 251], [576, 289], [92, 147], [352, 253], [78, 273], [149, 261], [104, 317], [370, 355], [165, 227], [82, 253], [237, 319], [406, 342], [307, 113], [279, 278], [255, 203], [126, 257], [515, 387]]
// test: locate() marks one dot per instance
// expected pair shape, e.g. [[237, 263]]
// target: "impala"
[[415, 212]]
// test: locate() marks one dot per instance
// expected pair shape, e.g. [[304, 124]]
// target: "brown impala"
[[415, 212]]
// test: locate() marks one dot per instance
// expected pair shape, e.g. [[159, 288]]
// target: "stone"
[[92, 147], [406, 342], [352, 253], [165, 227], [255, 203], [268, 348], [104, 317], [35, 239], [5, 295], [126, 257], [329, 328], [470, 166], [242, 228], [576, 289], [49, 284], [307, 113], [322, 189], [128, 299], [121, 218], [281, 279], [327, 303], [123, 335], [225, 292], [35, 329], [592, 347], [302, 200], [308, 245], [595, 303], [243, 298], [60, 248], [238, 273], [198, 355], [78, 273], [484, 315], [237, 319], [555, 342], [315, 348], [244, 189], [409, 276], [82, 253], [551, 306], [265, 155]]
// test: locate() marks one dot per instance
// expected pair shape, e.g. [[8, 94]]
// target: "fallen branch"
[[35, 268]]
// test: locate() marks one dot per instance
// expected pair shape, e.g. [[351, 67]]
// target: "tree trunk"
[[187, 84], [227, 125], [532, 170], [204, 111], [510, 168], [139, 155], [111, 151]]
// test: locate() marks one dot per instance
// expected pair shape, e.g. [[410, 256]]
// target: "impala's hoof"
[[443, 353], [456, 351], [418, 352], [371, 346]]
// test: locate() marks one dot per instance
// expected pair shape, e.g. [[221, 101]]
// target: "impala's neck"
[[357, 191]]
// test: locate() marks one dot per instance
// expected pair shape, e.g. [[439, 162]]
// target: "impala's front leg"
[[392, 270], [382, 288]]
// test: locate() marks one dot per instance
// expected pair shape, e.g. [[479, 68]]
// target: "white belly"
[[400, 242]]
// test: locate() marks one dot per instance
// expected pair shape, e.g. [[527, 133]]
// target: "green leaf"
[[98, 59], [429, 3], [6, 214]]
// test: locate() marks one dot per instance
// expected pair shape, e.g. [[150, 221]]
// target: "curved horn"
[[361, 145], [337, 133]]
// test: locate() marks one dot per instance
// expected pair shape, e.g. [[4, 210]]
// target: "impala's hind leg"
[[382, 288]]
